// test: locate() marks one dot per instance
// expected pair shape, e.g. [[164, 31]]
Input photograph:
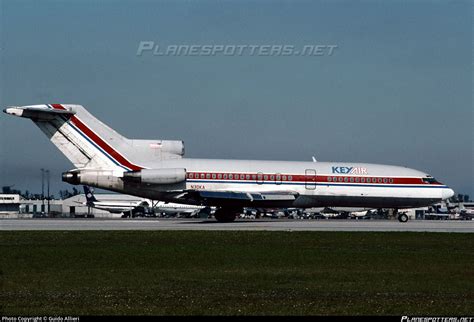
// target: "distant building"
[[13, 205], [76, 205], [9, 203]]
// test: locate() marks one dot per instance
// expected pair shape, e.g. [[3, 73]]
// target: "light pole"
[[42, 190], [47, 178]]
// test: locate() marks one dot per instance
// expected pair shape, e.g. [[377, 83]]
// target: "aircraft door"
[[310, 179]]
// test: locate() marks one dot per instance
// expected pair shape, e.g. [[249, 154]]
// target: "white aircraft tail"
[[83, 139], [90, 144]]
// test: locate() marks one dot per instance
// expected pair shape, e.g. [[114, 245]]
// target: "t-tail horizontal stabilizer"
[[38, 112]]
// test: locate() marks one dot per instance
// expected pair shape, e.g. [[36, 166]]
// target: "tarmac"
[[250, 225]]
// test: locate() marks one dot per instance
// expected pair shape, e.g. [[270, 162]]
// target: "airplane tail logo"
[[89, 193]]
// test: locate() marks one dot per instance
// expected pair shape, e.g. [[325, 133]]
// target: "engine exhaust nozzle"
[[71, 177]]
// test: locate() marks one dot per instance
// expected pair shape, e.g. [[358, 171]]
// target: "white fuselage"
[[317, 183], [173, 208], [114, 207]]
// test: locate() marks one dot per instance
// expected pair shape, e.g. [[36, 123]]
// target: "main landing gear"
[[226, 214], [402, 217]]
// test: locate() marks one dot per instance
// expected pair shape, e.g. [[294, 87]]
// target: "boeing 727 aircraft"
[[157, 169]]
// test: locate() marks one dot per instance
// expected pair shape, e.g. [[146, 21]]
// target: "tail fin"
[[90, 144], [88, 192], [83, 139]]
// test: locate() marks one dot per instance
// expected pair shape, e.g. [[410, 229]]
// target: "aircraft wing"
[[248, 196], [210, 197]]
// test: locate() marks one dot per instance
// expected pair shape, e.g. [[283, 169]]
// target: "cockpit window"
[[430, 180]]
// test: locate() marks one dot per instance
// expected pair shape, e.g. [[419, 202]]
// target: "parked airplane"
[[139, 206], [156, 169], [116, 206], [172, 208]]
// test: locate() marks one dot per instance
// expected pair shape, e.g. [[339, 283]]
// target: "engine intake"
[[157, 176], [173, 147], [159, 149]]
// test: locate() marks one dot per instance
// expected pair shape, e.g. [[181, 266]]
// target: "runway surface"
[[205, 224]]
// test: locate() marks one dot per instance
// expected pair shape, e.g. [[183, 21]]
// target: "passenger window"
[[219, 176], [284, 178], [213, 176], [329, 179], [290, 178], [191, 175], [231, 176], [202, 175], [247, 176], [225, 176], [208, 176], [259, 178]]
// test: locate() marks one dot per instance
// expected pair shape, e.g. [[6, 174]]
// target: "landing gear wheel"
[[402, 218], [225, 215]]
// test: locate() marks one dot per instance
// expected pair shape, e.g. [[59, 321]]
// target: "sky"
[[396, 89]]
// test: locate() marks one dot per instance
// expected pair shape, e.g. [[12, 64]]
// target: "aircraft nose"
[[448, 193]]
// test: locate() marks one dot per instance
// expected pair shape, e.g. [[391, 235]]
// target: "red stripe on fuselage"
[[101, 143], [284, 177]]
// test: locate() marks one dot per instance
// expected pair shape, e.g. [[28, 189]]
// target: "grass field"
[[236, 273]]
